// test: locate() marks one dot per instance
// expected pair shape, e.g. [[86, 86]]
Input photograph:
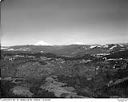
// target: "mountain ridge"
[[70, 50]]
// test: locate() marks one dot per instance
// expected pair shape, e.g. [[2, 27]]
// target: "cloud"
[[42, 43]]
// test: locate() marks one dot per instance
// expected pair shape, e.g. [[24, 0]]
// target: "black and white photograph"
[[68, 49]]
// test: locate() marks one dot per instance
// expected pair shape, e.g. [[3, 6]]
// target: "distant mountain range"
[[70, 50]]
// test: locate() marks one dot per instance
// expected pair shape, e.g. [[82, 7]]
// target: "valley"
[[74, 71]]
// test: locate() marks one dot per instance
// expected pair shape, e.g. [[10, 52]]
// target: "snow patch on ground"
[[113, 47]]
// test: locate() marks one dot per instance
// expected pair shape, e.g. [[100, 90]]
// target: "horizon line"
[[61, 44]]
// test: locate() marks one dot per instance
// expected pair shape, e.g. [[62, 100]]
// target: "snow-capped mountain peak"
[[42, 43]]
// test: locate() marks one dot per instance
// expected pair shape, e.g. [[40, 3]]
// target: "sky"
[[63, 22]]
